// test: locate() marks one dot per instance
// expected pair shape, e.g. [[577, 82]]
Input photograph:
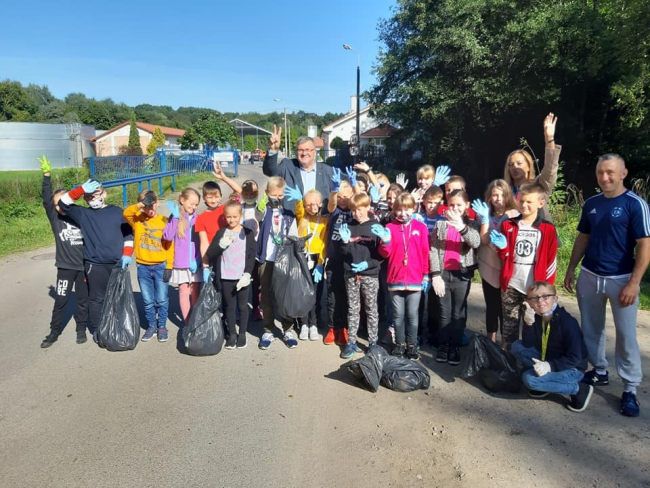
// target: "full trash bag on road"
[[203, 335], [494, 367], [119, 328], [292, 286], [398, 374]]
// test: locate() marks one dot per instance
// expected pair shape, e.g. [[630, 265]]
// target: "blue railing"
[[123, 182], [117, 167]]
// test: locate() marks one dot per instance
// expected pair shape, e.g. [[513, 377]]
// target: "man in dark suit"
[[303, 172]]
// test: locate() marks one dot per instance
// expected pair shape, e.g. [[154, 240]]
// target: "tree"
[[135, 149], [338, 143], [15, 103], [158, 139], [211, 128]]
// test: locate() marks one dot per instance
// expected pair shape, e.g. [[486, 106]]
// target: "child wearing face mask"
[[313, 225], [68, 260], [107, 240], [276, 223], [453, 261], [187, 255], [154, 257], [404, 242], [552, 351]]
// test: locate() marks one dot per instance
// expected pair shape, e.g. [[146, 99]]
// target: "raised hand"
[[173, 209], [352, 176], [261, 205], [226, 240], [336, 179], [292, 194], [359, 267], [345, 233], [380, 231], [442, 175], [362, 166], [529, 314], [401, 180], [498, 239], [318, 273], [375, 194], [275, 139], [217, 170], [418, 194], [549, 128], [90, 186], [455, 219], [482, 210], [46, 166]]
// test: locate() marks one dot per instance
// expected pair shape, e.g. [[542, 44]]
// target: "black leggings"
[[65, 279], [97, 276], [231, 300], [493, 310]]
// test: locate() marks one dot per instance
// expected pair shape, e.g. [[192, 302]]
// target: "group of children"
[[384, 252]]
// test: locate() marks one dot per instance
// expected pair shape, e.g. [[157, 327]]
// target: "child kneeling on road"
[[552, 350]]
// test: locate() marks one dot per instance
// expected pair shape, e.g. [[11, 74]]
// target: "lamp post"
[[286, 142], [348, 48]]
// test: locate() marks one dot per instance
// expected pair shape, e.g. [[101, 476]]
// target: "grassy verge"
[[23, 224]]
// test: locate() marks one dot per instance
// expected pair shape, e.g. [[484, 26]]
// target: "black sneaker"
[[81, 337], [630, 405], [231, 342], [399, 350], [454, 356], [538, 394], [580, 400], [241, 341], [412, 352], [443, 353], [49, 340], [594, 379]]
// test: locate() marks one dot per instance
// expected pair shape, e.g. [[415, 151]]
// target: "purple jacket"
[[182, 250]]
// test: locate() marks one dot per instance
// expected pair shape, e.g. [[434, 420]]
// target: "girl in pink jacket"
[[405, 243]]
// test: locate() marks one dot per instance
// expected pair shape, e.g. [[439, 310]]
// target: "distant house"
[[346, 126], [109, 142], [377, 135]]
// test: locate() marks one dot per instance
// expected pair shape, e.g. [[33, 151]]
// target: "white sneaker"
[[313, 333], [304, 332]]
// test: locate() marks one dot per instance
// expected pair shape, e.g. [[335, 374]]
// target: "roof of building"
[[383, 130], [247, 128], [345, 118], [318, 141], [168, 131]]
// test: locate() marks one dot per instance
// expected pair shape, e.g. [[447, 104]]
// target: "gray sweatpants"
[[593, 292]]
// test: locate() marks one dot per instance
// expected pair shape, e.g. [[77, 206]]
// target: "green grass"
[[23, 223]]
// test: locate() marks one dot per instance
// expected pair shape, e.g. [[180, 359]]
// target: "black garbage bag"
[[119, 327], [401, 374], [292, 286], [495, 367], [203, 335], [368, 369]]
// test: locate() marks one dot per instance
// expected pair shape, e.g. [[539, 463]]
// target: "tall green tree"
[[134, 147], [158, 139], [211, 128]]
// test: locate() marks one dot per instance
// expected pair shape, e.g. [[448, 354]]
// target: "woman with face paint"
[[552, 350], [405, 244]]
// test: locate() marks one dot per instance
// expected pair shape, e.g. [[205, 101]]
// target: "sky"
[[233, 56]]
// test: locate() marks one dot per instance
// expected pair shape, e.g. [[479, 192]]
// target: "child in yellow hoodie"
[[155, 258], [311, 223]]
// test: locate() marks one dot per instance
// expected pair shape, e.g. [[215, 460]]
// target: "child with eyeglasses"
[[552, 352]]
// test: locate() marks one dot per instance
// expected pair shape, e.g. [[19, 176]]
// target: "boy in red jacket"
[[527, 245]]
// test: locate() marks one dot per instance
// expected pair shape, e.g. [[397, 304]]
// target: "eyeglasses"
[[306, 150], [539, 298]]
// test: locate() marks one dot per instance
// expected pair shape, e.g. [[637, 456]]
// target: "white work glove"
[[541, 367], [529, 314], [438, 286], [226, 240], [455, 220], [401, 180], [244, 281]]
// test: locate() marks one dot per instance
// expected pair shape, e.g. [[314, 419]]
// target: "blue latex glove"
[[173, 209], [380, 231], [498, 239], [126, 260], [442, 175], [426, 285], [345, 233], [317, 273], [292, 194], [336, 179], [418, 217], [207, 275], [359, 267], [90, 186], [482, 210], [375, 194], [193, 266], [352, 176]]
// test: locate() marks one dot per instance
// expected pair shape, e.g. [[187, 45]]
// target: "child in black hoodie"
[[361, 265]]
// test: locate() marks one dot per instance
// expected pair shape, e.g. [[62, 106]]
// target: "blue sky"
[[234, 56]]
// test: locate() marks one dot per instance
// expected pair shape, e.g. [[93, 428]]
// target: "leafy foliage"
[[135, 148], [211, 128], [158, 139], [338, 143]]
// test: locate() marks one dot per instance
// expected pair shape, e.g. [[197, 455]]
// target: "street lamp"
[[348, 48], [286, 144]]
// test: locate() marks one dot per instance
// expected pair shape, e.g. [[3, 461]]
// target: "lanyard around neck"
[[546, 331]]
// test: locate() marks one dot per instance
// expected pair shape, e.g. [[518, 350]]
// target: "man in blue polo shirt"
[[612, 225]]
